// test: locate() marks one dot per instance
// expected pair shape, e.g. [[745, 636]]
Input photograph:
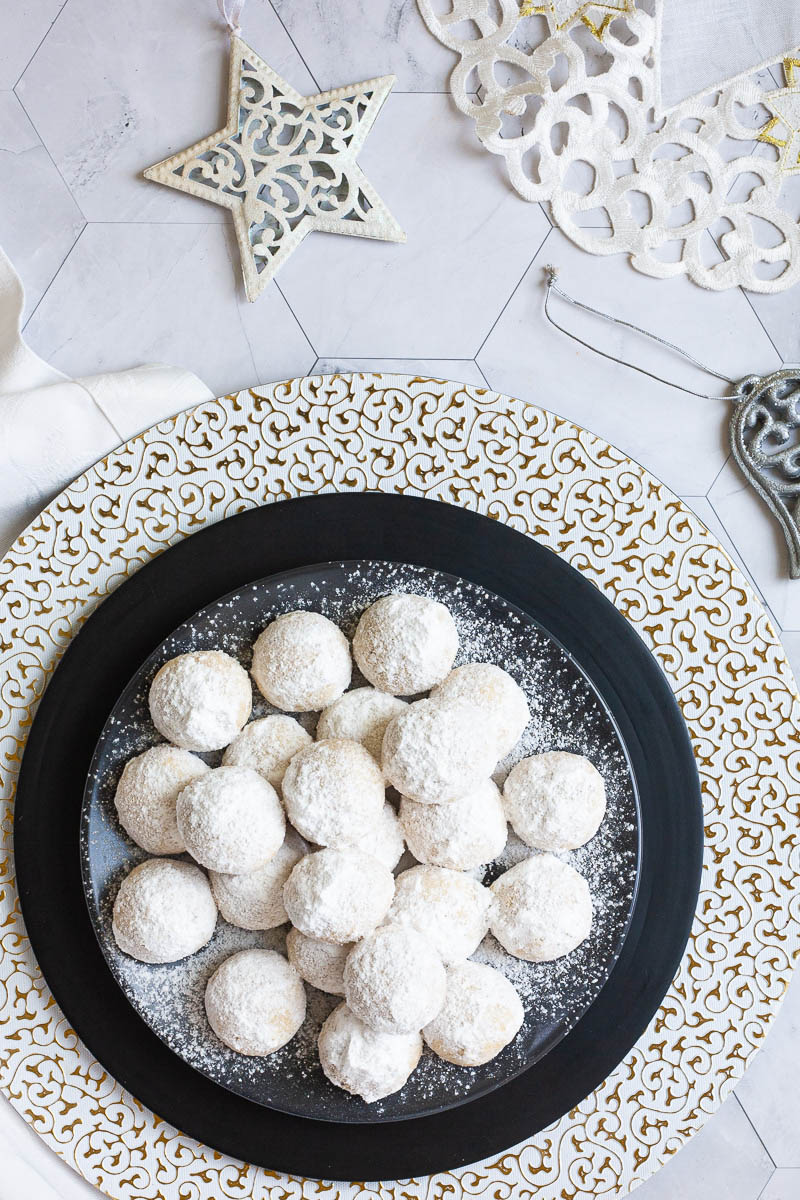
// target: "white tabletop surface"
[[120, 272]]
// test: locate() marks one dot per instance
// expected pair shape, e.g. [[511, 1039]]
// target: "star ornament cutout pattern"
[[782, 130], [285, 165], [596, 15]]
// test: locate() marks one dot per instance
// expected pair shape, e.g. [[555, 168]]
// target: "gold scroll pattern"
[[606, 516]]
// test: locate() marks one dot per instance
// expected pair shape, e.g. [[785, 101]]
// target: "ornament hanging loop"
[[231, 13]]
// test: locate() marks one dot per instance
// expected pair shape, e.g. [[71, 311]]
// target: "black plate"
[[133, 621], [567, 714]]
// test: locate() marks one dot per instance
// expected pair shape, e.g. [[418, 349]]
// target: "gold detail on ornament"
[[782, 130], [285, 165], [596, 15]]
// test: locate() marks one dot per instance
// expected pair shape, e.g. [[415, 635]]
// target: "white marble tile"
[[724, 1161], [29, 1170], [117, 87], [462, 370], [39, 220], [769, 1090], [680, 438], [784, 1185], [22, 27], [352, 40], [130, 294], [469, 239], [780, 316], [759, 540]]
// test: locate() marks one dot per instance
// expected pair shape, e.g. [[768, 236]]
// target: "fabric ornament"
[[285, 164], [569, 95]]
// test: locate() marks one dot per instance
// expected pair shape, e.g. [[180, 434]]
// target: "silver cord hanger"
[[764, 428]]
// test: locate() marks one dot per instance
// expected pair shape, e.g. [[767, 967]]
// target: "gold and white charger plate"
[[611, 520]]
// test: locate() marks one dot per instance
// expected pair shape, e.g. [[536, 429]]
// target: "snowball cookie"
[[434, 752], [320, 963], [146, 794], [255, 900], [361, 716], [200, 701], [255, 1002], [333, 792], [482, 1013], [164, 911], [268, 745], [462, 834], [493, 690], [450, 909], [231, 820], [301, 662], [361, 1060], [555, 801], [338, 895], [542, 909], [384, 840], [404, 644], [394, 980]]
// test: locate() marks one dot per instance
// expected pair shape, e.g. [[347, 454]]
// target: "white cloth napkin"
[[53, 427], [705, 42]]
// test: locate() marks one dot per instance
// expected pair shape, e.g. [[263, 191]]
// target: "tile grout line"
[[282, 294], [55, 277], [728, 458], [46, 149], [513, 293], [766, 1185], [294, 43], [36, 51], [236, 268], [483, 377], [755, 1131], [761, 323]]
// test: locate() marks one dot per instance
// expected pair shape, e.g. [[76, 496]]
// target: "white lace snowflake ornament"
[[567, 92]]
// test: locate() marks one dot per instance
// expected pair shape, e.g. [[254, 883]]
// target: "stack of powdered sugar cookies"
[[309, 831]]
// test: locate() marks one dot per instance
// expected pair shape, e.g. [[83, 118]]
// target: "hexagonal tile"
[[350, 40], [682, 439], [22, 28], [117, 87], [724, 1160], [462, 370], [779, 313], [768, 1092], [469, 238], [784, 1185], [39, 220], [758, 538], [130, 294]]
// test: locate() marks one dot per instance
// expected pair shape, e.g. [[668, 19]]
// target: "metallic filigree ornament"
[[285, 165], [765, 441]]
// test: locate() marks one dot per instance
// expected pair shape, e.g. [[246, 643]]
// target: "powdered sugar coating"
[[481, 1014], [320, 963], [200, 701], [496, 693], [449, 908], [255, 900], [405, 643], [384, 840], [301, 662], [268, 745], [146, 796], [231, 820], [361, 1060], [434, 752], [462, 834], [338, 895], [542, 909], [163, 911], [555, 801], [333, 792], [360, 715], [255, 1002], [394, 980]]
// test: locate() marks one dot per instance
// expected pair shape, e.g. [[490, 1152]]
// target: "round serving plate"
[[567, 714], [132, 623]]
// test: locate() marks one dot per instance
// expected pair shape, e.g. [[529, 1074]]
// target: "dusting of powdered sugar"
[[565, 715]]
